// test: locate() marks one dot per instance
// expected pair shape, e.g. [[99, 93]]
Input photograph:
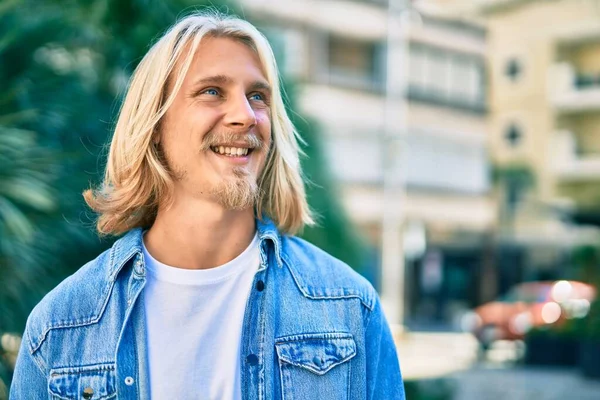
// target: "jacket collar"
[[130, 246], [267, 232]]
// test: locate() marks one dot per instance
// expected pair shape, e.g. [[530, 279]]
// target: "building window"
[[354, 63], [417, 66], [441, 76], [513, 135], [288, 48], [513, 69], [436, 77]]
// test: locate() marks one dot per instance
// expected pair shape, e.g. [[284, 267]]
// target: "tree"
[[333, 232]]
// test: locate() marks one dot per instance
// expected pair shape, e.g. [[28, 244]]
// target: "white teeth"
[[231, 151]]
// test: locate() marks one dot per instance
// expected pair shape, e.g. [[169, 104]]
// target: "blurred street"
[[449, 363], [524, 383]]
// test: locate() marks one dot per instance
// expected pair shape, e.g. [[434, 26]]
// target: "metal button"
[[260, 286], [88, 392], [252, 359], [138, 268], [129, 381], [318, 361]]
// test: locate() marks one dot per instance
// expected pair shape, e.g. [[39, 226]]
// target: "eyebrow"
[[225, 80]]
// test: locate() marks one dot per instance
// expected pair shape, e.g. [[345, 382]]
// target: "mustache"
[[248, 139]]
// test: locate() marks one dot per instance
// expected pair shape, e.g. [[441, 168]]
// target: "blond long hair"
[[137, 178]]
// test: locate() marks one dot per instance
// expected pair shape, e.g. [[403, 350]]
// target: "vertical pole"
[[392, 287]]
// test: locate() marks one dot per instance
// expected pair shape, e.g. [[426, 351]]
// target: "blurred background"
[[453, 154]]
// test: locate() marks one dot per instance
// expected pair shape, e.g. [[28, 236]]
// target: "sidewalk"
[[426, 355], [524, 383], [450, 360]]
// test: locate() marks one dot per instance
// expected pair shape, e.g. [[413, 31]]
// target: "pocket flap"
[[316, 352], [96, 381]]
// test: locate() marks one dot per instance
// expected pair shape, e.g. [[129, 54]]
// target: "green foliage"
[[519, 173], [592, 321], [569, 329], [586, 196], [541, 331], [430, 389], [586, 264], [333, 233], [586, 260]]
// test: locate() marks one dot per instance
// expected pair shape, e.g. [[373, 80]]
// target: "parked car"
[[528, 305]]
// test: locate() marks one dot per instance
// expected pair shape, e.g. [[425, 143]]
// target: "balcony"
[[572, 92], [472, 105], [487, 7], [430, 162], [471, 212], [570, 164], [338, 17]]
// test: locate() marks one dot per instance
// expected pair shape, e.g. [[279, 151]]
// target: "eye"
[[257, 96], [211, 92]]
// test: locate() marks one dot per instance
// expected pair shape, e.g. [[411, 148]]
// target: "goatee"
[[239, 193]]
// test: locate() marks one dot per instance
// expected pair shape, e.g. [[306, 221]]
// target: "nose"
[[240, 114]]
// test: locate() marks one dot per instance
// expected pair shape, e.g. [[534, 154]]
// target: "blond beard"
[[237, 193]]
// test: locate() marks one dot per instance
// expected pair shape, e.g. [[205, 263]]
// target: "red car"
[[528, 305]]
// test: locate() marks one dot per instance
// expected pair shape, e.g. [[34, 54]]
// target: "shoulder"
[[78, 300], [319, 275]]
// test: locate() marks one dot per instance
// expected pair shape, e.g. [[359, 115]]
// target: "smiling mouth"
[[232, 151]]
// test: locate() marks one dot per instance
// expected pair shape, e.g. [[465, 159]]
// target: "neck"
[[196, 234]]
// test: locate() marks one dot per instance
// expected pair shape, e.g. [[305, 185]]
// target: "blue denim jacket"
[[313, 329]]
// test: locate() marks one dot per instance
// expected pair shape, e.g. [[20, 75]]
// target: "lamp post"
[[395, 123]]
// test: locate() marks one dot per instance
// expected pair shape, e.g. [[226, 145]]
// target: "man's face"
[[217, 133]]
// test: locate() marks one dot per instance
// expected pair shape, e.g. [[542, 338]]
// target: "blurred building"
[[544, 64], [336, 50]]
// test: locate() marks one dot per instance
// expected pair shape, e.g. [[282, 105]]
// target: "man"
[[208, 295]]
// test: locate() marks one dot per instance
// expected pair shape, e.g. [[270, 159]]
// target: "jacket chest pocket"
[[315, 366], [94, 382]]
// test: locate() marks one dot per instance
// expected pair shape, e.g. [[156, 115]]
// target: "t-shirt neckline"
[[181, 276]]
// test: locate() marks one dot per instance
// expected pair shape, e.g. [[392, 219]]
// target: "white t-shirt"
[[194, 324]]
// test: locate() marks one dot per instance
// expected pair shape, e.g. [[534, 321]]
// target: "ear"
[[157, 132], [156, 135]]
